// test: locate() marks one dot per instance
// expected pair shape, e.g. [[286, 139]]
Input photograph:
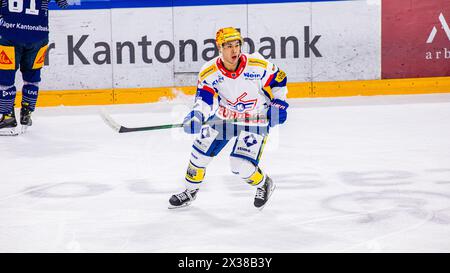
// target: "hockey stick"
[[122, 129]]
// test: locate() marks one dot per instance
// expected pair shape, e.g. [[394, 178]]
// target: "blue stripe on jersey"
[[205, 96]]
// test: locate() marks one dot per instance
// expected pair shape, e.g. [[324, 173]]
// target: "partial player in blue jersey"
[[23, 44]]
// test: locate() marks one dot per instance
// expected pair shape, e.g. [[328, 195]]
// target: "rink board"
[[416, 39], [165, 46], [296, 90], [141, 51]]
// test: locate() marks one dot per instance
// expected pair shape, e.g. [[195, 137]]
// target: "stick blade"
[[109, 121]]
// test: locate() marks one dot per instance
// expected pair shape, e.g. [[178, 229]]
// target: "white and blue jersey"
[[25, 21], [243, 94]]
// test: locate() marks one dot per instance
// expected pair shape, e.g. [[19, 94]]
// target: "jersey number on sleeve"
[[17, 6]]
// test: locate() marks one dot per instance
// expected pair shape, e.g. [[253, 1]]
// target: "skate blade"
[[178, 207], [270, 194], [8, 132], [23, 130]]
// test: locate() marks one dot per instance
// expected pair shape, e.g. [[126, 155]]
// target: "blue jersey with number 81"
[[25, 21]]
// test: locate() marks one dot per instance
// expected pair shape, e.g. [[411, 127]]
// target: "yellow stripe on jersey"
[[257, 62], [268, 92], [207, 71]]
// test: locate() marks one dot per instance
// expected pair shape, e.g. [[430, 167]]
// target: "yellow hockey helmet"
[[228, 34]]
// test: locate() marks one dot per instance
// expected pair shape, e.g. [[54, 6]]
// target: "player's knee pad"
[[245, 169]]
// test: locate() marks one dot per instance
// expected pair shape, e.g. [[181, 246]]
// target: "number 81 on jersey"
[[17, 6]]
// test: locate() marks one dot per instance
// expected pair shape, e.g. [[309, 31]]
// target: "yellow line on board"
[[296, 90]]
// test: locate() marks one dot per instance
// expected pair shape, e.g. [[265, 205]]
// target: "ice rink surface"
[[361, 174]]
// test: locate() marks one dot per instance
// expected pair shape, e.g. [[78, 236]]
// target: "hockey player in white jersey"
[[250, 91]]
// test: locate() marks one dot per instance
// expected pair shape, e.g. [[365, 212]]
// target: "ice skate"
[[263, 194], [182, 199], [8, 124], [25, 117]]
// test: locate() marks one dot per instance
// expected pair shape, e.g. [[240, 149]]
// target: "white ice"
[[360, 174]]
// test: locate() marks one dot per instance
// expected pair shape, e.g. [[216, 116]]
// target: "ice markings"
[[383, 205], [143, 186], [287, 181], [67, 190], [376, 178], [299, 181], [438, 171]]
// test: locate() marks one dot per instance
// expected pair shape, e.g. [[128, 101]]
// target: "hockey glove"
[[193, 122], [277, 113]]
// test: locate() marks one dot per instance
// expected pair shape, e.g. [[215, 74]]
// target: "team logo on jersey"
[[250, 140], [219, 79], [281, 76], [252, 76], [4, 58], [7, 61], [40, 58], [241, 105]]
